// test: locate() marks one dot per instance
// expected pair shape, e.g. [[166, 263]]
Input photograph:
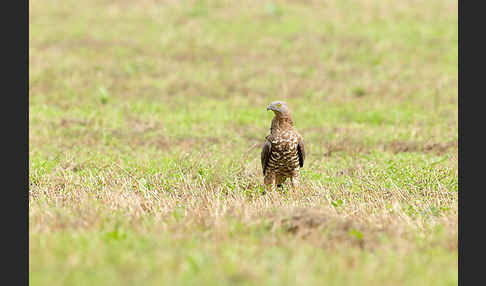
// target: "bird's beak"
[[270, 107]]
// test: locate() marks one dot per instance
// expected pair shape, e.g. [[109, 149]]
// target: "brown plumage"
[[283, 152]]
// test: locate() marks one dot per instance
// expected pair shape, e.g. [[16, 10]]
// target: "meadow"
[[147, 118]]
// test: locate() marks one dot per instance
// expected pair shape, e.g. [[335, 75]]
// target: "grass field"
[[147, 119]]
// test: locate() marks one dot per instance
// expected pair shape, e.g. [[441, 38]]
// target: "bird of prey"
[[283, 152]]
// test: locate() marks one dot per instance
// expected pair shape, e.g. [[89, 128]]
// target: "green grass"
[[147, 119]]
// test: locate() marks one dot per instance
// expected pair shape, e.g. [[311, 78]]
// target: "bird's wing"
[[267, 147], [301, 151]]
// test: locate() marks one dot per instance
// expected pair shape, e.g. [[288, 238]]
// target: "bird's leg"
[[295, 180], [269, 181], [279, 181]]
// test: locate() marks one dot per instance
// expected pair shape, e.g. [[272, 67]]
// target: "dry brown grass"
[[67, 200]]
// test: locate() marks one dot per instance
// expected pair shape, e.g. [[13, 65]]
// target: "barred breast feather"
[[282, 153]]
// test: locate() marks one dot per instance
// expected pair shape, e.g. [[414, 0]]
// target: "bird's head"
[[280, 108]]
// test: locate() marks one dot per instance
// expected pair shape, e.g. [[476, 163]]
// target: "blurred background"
[[209, 68]]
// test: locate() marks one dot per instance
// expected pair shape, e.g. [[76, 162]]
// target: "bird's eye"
[[278, 104]]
